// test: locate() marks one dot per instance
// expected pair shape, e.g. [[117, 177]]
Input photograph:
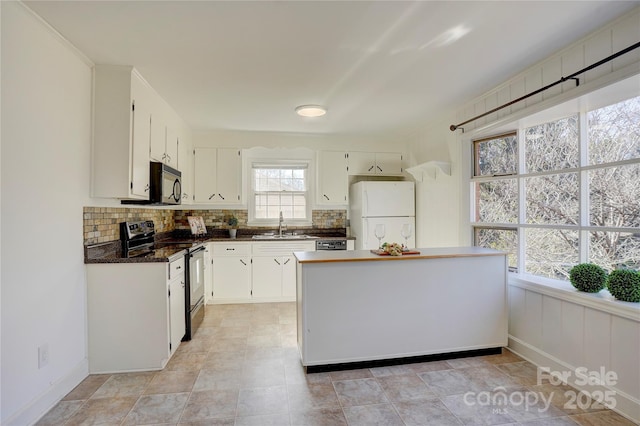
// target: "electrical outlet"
[[43, 355]]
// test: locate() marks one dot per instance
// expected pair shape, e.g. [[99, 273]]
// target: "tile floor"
[[242, 368]]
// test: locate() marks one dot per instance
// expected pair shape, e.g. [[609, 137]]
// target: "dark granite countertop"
[[166, 244]]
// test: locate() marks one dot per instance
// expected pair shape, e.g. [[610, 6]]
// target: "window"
[[562, 192], [279, 188]]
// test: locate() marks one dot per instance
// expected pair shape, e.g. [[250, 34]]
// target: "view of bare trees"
[[552, 227]]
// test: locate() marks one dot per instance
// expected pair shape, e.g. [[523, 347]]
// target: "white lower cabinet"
[[177, 307], [274, 271], [132, 302], [245, 272], [208, 273], [231, 272]]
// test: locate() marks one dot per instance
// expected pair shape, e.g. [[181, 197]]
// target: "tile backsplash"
[[102, 224]]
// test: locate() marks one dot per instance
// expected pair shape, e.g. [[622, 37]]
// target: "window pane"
[[551, 252], [500, 239], [497, 156], [279, 189], [552, 146], [615, 250], [497, 201], [553, 199], [614, 132], [614, 196]]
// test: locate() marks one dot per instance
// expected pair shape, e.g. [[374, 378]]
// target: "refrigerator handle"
[[365, 204], [365, 227]]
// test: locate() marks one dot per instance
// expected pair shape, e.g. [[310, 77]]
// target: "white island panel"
[[360, 309]]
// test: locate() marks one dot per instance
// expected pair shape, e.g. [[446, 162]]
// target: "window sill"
[[271, 224], [602, 301]]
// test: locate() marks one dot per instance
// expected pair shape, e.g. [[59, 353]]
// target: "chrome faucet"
[[281, 224]]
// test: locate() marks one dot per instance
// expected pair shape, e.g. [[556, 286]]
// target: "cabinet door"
[[231, 278], [185, 165], [141, 131], [171, 149], [289, 277], [332, 178], [388, 163], [176, 311], [204, 175], [208, 274], [228, 176], [157, 149], [267, 277], [361, 163]]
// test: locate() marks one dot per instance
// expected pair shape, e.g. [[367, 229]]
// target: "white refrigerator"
[[388, 203]]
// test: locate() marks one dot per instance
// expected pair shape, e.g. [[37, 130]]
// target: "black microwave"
[[165, 184]]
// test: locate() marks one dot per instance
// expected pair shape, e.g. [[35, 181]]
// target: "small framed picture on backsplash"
[[197, 225]]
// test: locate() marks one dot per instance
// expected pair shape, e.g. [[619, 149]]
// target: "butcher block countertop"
[[367, 255]]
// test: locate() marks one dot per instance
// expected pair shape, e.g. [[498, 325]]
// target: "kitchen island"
[[359, 307]]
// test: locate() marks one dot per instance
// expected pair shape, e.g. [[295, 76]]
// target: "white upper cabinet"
[[185, 163], [122, 120], [333, 181], [132, 126], [374, 163], [388, 163], [217, 175], [157, 149], [164, 135], [172, 146]]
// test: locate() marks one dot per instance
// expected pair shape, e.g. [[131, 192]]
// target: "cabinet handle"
[[182, 284], [276, 260], [230, 249], [220, 195], [379, 168], [185, 196], [164, 156], [325, 196], [242, 261], [287, 261], [146, 188], [370, 168], [179, 267], [168, 157], [212, 195]]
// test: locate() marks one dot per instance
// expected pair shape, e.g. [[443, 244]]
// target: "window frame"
[[583, 226], [304, 164]]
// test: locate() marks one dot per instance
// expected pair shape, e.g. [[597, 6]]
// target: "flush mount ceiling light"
[[311, 110]]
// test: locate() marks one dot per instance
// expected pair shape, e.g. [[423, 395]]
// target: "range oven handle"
[[192, 252]]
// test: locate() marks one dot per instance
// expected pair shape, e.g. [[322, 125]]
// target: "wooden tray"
[[384, 253]]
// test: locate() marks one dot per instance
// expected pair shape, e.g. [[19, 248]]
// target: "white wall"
[[438, 223], [46, 129], [243, 139], [438, 202]]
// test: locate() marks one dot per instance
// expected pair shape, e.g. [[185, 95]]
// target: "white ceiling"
[[380, 67]]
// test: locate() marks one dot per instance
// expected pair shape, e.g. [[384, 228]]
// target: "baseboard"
[[399, 361], [44, 402], [626, 405]]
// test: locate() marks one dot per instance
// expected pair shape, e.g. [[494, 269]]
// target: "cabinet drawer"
[[231, 249], [282, 248], [176, 268]]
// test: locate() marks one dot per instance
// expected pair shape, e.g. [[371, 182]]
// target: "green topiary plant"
[[624, 284], [232, 221], [588, 277]]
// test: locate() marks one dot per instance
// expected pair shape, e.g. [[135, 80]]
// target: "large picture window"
[[562, 192]]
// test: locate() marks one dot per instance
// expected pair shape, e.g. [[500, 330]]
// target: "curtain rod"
[[454, 127]]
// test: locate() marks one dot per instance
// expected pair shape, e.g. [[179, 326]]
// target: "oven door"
[[196, 277]]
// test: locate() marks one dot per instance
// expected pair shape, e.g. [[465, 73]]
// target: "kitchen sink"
[[283, 237]]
